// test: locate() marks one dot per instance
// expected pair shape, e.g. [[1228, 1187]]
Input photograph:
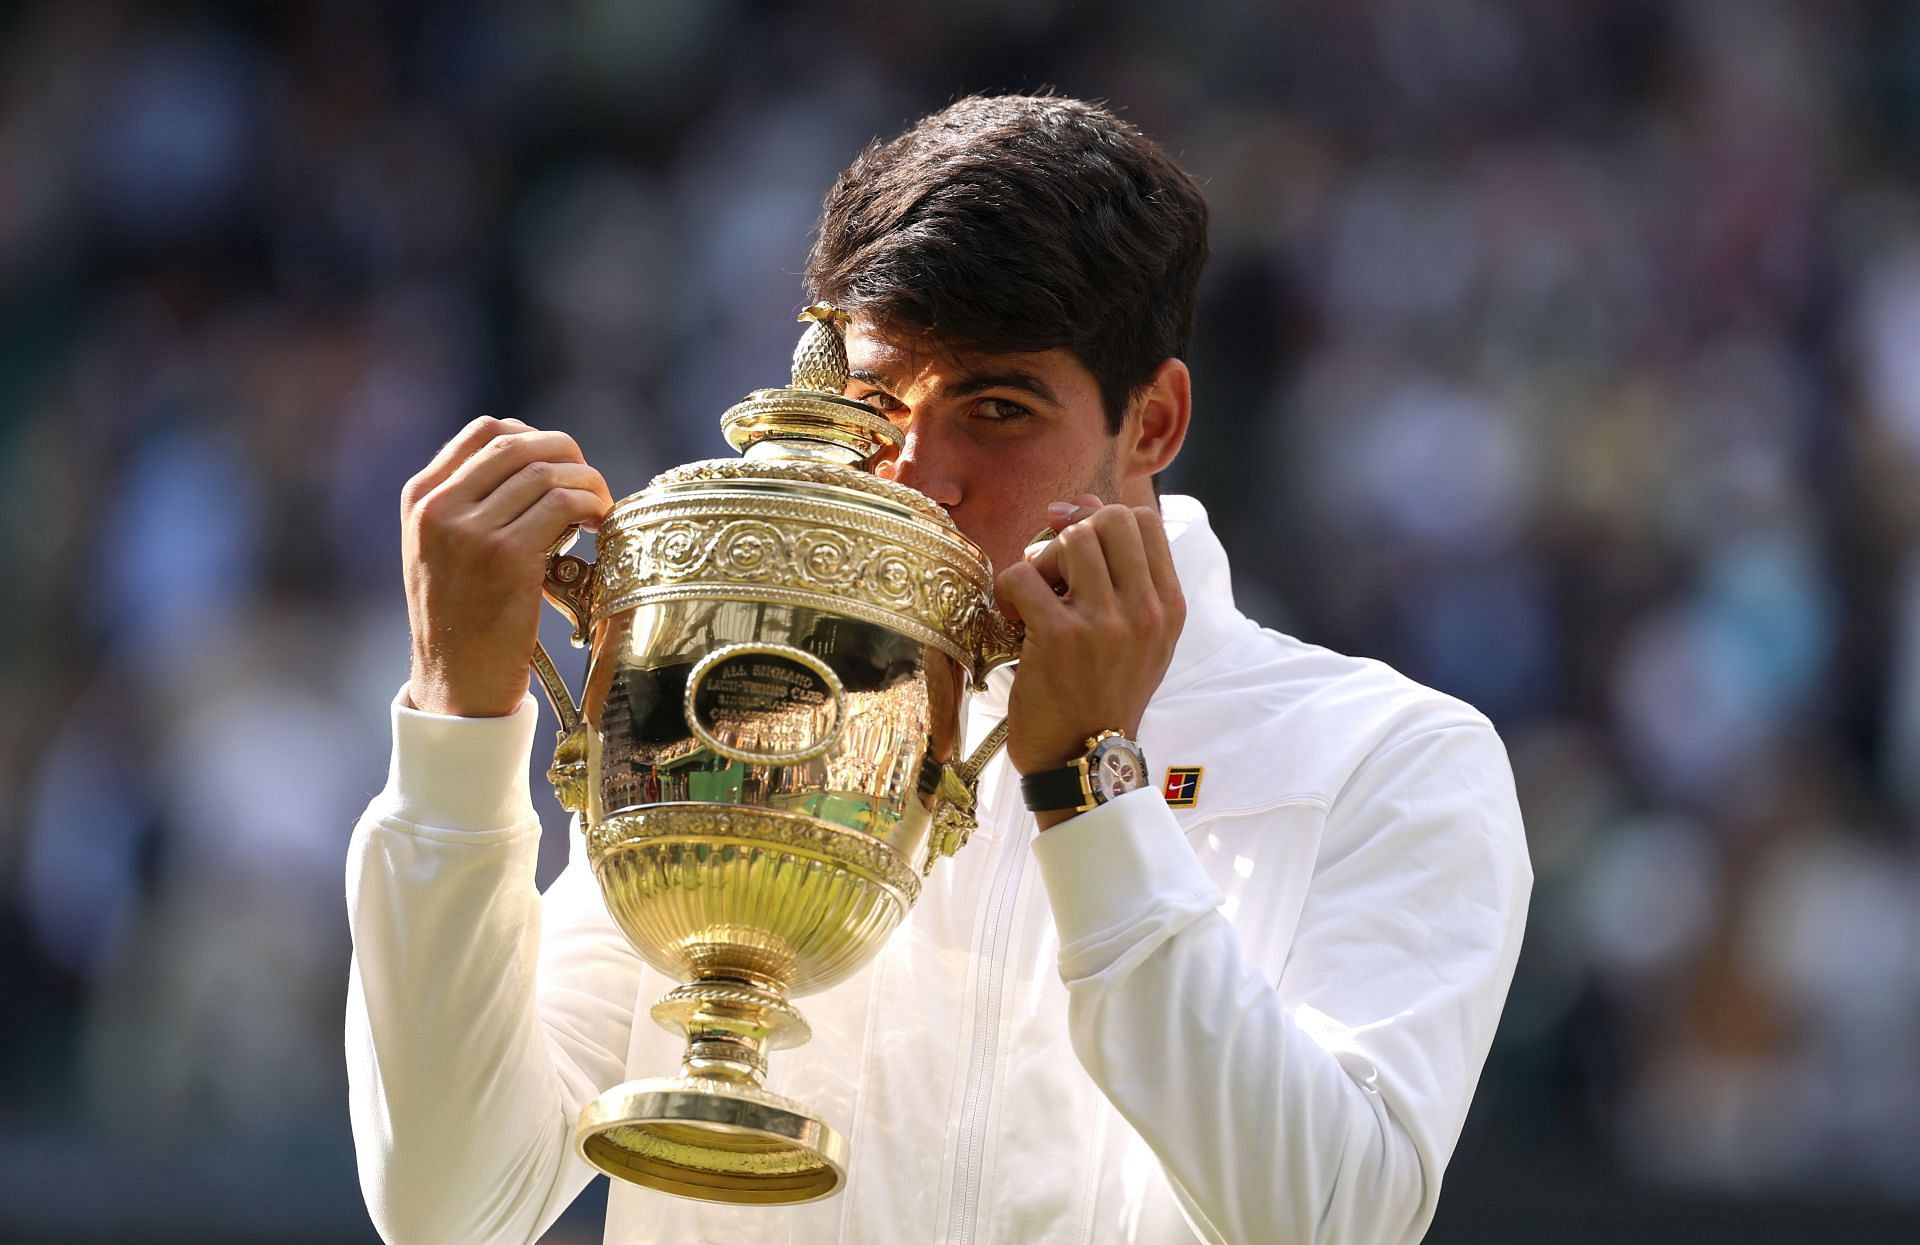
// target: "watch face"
[[1116, 767]]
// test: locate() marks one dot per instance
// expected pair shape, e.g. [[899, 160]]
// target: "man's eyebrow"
[[1013, 378], [872, 378], [974, 382]]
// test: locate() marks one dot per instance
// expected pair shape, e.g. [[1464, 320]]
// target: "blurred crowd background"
[[1565, 355]]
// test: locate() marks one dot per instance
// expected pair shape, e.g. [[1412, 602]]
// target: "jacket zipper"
[[989, 989]]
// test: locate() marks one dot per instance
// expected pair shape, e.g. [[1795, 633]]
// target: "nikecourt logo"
[[1183, 785]]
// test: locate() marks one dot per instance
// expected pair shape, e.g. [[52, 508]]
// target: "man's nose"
[[920, 464]]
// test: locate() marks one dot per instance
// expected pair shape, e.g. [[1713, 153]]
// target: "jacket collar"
[[1205, 579]]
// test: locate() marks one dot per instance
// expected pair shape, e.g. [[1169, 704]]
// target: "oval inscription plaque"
[[766, 704]]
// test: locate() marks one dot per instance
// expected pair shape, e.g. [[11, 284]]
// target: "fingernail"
[[1058, 510]]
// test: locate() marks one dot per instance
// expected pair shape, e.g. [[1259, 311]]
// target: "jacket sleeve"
[[1305, 1084], [473, 1041]]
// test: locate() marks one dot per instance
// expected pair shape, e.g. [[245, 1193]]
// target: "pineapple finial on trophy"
[[820, 357]]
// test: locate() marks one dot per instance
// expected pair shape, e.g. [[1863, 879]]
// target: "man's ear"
[[1156, 424]]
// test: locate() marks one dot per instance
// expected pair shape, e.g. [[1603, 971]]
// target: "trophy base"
[[714, 1140]]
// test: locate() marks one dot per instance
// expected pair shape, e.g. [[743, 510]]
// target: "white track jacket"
[[1259, 1019]]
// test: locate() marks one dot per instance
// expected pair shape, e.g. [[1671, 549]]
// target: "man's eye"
[[999, 410], [879, 401]]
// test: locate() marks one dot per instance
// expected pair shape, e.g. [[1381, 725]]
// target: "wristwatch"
[[1111, 766]]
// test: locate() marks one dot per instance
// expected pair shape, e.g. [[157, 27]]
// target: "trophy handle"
[[954, 819], [556, 689], [998, 643], [997, 638], [569, 587]]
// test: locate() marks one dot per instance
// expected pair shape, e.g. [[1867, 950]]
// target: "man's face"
[[993, 438]]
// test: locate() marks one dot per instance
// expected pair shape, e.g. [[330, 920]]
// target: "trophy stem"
[[730, 1023]]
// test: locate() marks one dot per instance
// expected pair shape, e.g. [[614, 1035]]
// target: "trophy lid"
[[809, 434], [809, 419]]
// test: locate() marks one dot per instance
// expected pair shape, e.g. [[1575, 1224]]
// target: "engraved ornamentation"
[[990, 636], [678, 549], [733, 996], [822, 552], [893, 580], [948, 598], [802, 472], [953, 828], [568, 773], [750, 550], [827, 558]]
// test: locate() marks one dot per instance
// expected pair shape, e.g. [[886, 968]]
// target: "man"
[[1248, 1005]]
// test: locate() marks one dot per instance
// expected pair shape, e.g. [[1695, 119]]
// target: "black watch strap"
[[1053, 789]]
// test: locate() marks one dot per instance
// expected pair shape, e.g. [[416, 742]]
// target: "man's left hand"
[[1102, 608]]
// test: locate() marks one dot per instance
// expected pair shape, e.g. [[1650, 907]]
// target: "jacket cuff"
[[1122, 880], [452, 773]]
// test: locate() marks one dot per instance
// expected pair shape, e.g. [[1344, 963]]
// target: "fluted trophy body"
[[763, 758]]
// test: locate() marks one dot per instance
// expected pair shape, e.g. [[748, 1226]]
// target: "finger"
[[502, 507], [497, 461], [464, 445], [1083, 563], [1125, 556], [1025, 597], [1064, 514], [1159, 552], [1046, 560], [555, 511]]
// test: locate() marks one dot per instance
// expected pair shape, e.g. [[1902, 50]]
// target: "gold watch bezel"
[[1090, 798]]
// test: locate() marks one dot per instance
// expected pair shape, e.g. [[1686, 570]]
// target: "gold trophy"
[[763, 759]]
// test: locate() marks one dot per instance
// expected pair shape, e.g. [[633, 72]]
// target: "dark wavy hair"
[[1014, 223]]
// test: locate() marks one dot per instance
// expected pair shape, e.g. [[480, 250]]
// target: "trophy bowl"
[[763, 758]]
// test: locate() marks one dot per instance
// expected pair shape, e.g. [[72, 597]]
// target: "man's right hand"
[[476, 525]]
